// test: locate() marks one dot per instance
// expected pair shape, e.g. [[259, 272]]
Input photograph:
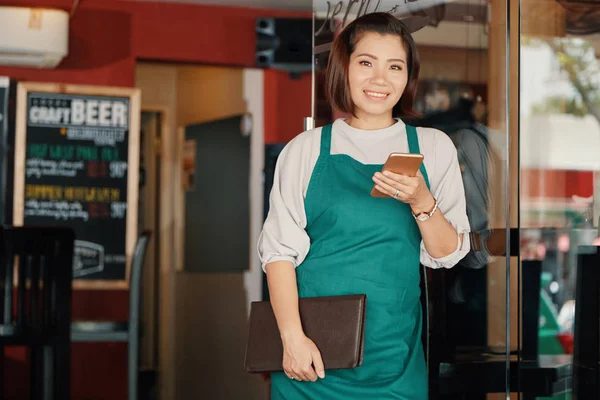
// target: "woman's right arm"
[[301, 359], [283, 245], [283, 291]]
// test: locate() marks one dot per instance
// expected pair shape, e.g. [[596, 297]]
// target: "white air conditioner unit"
[[33, 37]]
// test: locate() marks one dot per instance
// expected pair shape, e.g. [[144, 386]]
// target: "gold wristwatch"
[[424, 216]]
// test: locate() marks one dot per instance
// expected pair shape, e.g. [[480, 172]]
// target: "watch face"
[[423, 217]]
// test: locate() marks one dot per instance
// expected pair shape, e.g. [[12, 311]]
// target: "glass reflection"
[[559, 157]]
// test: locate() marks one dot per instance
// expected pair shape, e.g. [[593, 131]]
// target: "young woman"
[[326, 235]]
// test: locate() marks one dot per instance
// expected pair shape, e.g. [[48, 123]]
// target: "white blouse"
[[284, 236]]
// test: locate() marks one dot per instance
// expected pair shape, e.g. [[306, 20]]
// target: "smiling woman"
[[357, 63], [377, 84], [325, 235]]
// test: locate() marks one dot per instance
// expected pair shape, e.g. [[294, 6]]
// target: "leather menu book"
[[335, 323]]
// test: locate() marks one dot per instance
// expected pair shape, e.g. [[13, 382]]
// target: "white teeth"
[[372, 94]]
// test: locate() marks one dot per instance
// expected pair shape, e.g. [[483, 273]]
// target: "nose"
[[378, 77]]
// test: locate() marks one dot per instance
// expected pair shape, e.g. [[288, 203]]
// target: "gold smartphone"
[[400, 163]]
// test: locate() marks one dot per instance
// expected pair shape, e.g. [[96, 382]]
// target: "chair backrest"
[[586, 335], [42, 259], [135, 279]]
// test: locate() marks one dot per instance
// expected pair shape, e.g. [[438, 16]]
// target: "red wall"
[[106, 38], [556, 184], [287, 102]]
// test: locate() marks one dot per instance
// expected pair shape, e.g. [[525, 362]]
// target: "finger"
[[410, 181], [398, 177], [395, 184], [385, 189], [307, 373], [388, 188], [407, 185], [414, 181], [382, 189], [296, 372], [289, 374], [298, 378], [294, 375], [401, 196], [318, 363], [311, 374], [389, 177], [383, 186]]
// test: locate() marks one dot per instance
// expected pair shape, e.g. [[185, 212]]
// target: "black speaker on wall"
[[284, 43]]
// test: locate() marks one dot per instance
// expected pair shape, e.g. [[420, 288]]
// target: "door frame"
[[166, 289]]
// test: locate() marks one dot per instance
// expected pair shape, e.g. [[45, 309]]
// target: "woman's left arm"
[[439, 236], [444, 244]]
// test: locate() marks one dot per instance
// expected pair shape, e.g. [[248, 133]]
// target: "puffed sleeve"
[[447, 187], [283, 236]]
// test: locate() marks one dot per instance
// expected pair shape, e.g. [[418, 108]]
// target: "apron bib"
[[361, 244]]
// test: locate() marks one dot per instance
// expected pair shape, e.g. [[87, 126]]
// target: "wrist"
[[426, 205], [291, 335]]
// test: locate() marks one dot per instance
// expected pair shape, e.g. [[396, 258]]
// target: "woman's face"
[[377, 74]]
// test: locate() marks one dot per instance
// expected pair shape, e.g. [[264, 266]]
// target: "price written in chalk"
[[96, 169], [118, 210], [118, 169], [98, 210]]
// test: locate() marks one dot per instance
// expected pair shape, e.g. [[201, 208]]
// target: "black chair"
[[42, 317], [586, 346], [117, 331]]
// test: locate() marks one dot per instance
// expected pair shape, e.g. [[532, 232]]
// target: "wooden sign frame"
[[133, 157]]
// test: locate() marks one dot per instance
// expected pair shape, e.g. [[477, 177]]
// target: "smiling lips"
[[376, 95]]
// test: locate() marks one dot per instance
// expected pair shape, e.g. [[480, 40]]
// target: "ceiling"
[[298, 5], [455, 31], [307, 5], [321, 6]]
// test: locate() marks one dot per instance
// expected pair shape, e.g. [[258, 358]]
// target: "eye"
[[365, 63], [396, 67]]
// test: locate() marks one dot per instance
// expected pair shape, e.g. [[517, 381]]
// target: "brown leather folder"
[[335, 323]]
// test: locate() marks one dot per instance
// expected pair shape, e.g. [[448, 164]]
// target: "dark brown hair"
[[336, 86]]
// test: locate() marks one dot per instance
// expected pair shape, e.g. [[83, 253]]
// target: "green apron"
[[361, 244]]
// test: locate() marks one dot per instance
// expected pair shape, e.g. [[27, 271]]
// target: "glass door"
[[559, 126], [468, 63]]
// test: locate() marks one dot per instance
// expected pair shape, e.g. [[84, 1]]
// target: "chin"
[[373, 110]]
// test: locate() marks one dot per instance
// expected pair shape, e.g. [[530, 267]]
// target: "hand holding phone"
[[407, 164]]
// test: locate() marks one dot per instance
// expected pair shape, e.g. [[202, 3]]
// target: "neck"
[[371, 122]]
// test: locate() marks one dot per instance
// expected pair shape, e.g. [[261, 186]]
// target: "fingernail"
[[321, 374], [386, 173]]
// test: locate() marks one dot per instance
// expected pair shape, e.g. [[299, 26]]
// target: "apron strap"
[[326, 140], [413, 147]]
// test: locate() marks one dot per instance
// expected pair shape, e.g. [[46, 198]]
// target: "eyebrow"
[[375, 58]]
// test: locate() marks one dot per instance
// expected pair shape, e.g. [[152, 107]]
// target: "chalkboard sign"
[[77, 165]]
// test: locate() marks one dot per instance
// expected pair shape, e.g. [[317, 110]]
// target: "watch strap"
[[425, 215]]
